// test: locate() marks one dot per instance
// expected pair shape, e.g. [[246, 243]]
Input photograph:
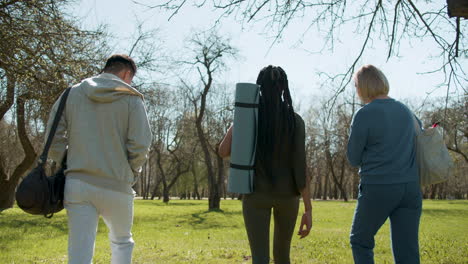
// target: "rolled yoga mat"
[[244, 138]]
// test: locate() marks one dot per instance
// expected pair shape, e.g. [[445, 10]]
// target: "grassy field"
[[185, 232]]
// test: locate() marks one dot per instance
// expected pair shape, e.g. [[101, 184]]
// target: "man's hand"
[[306, 224]]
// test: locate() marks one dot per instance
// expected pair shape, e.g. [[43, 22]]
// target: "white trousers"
[[84, 203]]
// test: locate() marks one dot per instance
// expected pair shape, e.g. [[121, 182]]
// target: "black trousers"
[[257, 209]]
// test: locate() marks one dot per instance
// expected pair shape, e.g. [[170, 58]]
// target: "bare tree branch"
[[395, 21], [10, 94], [346, 77], [425, 23]]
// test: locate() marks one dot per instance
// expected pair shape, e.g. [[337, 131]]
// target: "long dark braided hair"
[[276, 122]]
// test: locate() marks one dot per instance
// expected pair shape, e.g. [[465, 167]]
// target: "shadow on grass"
[[160, 203], [197, 219], [201, 220], [463, 202], [436, 201], [59, 223], [444, 212]]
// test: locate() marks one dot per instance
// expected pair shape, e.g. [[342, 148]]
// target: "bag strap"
[[417, 127], [58, 114]]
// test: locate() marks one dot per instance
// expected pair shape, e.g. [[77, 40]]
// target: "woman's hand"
[[306, 224], [306, 221]]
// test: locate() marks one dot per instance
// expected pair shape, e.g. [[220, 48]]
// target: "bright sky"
[[300, 61]]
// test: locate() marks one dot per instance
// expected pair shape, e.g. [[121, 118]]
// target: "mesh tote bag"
[[432, 156]]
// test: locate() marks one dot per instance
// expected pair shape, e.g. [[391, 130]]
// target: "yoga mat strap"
[[245, 105], [241, 167]]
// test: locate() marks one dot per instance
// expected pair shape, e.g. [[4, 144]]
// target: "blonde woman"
[[381, 144]]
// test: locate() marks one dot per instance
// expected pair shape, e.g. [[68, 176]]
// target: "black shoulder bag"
[[39, 194]]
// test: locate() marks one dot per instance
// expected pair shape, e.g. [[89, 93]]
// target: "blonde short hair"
[[370, 82]]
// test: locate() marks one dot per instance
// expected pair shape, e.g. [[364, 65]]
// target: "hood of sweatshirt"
[[107, 88]]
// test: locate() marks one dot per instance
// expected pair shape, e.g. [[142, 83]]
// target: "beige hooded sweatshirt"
[[106, 129]]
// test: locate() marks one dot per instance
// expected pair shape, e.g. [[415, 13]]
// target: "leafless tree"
[[41, 52], [210, 52]]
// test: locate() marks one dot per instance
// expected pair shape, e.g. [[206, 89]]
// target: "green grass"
[[185, 232]]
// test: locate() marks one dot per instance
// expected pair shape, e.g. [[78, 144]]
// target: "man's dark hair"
[[119, 62]]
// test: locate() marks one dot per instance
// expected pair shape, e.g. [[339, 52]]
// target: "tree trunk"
[[338, 182], [221, 182], [355, 183], [213, 195], [342, 186], [196, 193], [325, 188], [148, 179], [318, 188], [8, 187], [7, 194], [224, 191], [433, 192], [155, 193], [165, 195], [442, 194], [335, 192], [214, 200], [142, 187], [143, 182]]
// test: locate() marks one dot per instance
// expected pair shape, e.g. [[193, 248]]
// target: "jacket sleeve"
[[60, 139], [299, 161], [357, 139], [139, 134]]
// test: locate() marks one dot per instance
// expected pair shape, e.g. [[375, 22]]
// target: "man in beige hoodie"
[[105, 128]]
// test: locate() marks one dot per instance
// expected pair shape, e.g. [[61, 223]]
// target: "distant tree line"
[[326, 141]]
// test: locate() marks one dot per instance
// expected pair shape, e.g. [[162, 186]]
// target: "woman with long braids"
[[280, 176]]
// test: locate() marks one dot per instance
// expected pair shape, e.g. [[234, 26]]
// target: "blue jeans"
[[402, 203]]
